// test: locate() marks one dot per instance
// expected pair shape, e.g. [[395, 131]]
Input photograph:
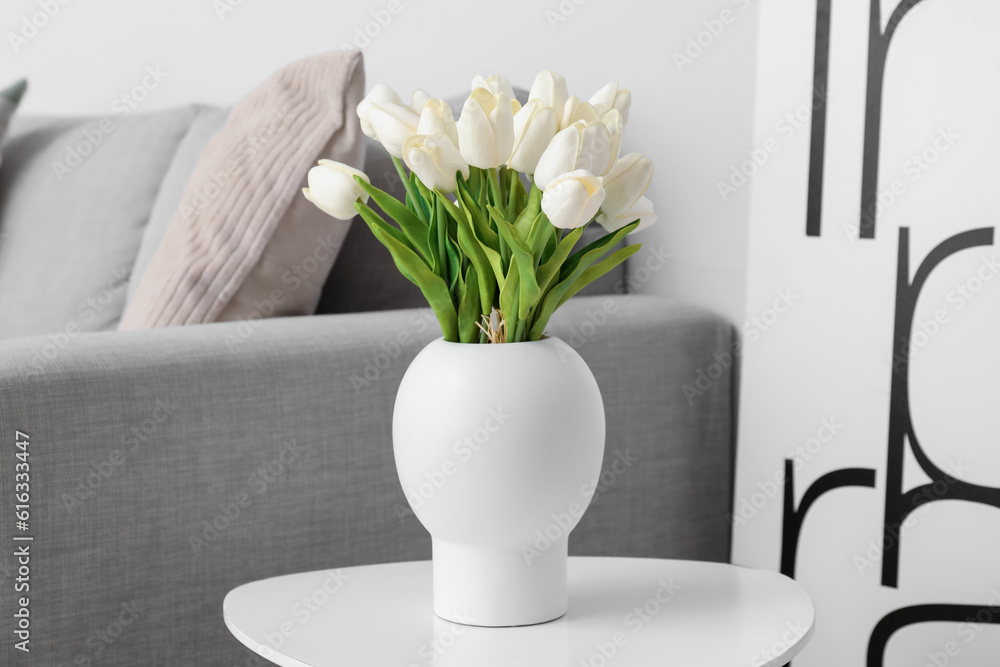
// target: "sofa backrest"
[[75, 197]]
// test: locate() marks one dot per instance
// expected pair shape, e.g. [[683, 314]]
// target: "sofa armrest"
[[168, 466]]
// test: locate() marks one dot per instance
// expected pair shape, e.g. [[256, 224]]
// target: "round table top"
[[622, 612]]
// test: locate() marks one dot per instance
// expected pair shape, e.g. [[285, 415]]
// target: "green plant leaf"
[[514, 194], [480, 218], [551, 243], [509, 296], [411, 192], [421, 192], [549, 271], [469, 310], [541, 229], [524, 261], [416, 270], [454, 259], [606, 242], [493, 185], [530, 212], [414, 228], [474, 250], [567, 277], [374, 219], [597, 270]]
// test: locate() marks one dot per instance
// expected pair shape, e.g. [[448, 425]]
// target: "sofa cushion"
[[244, 243], [208, 122], [75, 196]]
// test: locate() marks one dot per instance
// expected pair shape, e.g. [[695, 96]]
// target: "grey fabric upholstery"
[[278, 433], [75, 196]]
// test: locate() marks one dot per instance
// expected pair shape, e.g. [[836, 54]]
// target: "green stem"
[[494, 184], [513, 323], [519, 331], [512, 195], [442, 229], [414, 195]]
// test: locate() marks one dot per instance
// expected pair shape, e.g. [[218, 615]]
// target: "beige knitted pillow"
[[244, 242]]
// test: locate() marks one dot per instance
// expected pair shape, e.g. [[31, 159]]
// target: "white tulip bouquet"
[[496, 202]]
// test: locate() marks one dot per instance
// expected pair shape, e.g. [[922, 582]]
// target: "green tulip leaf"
[[416, 270], [549, 271], [414, 228], [411, 191], [509, 297], [597, 270], [469, 310], [568, 277], [480, 219], [524, 261], [475, 251], [604, 243], [529, 214]]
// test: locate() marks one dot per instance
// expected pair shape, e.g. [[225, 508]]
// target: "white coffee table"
[[623, 612]]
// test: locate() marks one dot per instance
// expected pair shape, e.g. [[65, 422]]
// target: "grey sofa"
[[171, 465]]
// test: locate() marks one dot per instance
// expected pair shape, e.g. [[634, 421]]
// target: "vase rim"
[[547, 339]]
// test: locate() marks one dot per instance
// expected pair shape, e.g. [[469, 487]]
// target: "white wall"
[[695, 123]]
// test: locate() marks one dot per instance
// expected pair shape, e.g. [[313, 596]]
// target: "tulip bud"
[[435, 160], [534, 127], [392, 124], [380, 93], [437, 118], [333, 189], [550, 89], [572, 199], [583, 145], [626, 183], [609, 97], [486, 129], [495, 83], [641, 210], [575, 110], [418, 99]]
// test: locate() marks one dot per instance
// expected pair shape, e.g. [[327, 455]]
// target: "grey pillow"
[[206, 124], [75, 197]]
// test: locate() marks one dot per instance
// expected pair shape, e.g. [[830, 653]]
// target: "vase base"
[[499, 587]]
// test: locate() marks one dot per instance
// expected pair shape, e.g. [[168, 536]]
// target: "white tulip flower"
[[393, 124], [590, 145], [534, 126], [435, 160], [486, 129], [333, 189], [641, 210], [380, 93], [610, 97], [437, 118], [550, 89], [495, 83], [572, 199], [626, 183], [418, 99], [575, 110]]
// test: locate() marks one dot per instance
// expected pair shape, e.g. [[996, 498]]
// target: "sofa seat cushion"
[[75, 197]]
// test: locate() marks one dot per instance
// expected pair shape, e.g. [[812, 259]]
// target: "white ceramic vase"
[[498, 449]]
